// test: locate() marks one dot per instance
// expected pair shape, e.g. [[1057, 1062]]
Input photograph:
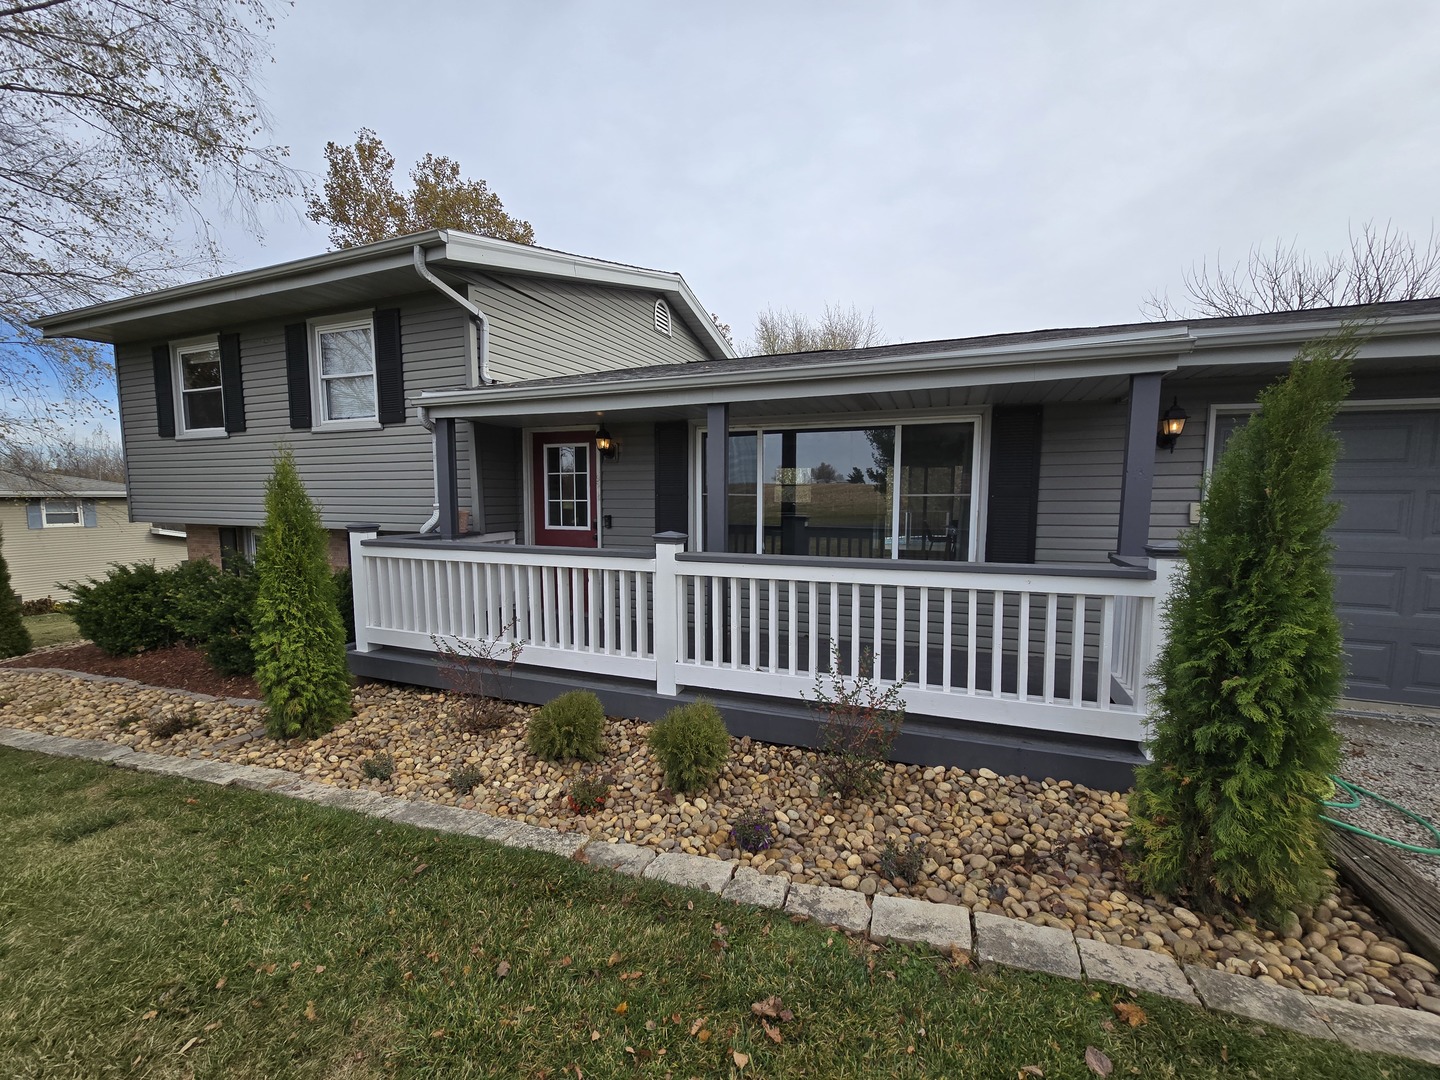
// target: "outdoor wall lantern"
[[604, 443], [1171, 425]]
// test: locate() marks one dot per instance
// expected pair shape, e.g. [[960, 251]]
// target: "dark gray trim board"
[[1098, 763]]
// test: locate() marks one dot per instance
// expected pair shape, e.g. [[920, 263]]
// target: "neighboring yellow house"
[[60, 528]]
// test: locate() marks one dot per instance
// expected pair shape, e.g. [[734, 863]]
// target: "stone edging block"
[[629, 859], [913, 922], [1382, 1029], [537, 838], [749, 886], [1000, 939], [830, 907], [691, 871], [1278, 1006], [1138, 969]]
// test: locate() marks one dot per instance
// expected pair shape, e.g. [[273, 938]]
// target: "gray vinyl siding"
[[542, 329], [501, 476], [627, 488], [383, 476]]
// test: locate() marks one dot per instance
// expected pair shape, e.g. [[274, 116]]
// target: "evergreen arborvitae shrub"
[[130, 610], [566, 728], [691, 744], [14, 637], [1252, 667], [298, 639]]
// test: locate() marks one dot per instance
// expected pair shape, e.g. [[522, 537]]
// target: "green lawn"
[[53, 629], [152, 927]]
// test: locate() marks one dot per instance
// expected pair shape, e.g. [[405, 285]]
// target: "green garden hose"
[[1354, 793]]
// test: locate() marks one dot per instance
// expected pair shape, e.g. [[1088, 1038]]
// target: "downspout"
[[433, 521], [481, 327], [479, 323]]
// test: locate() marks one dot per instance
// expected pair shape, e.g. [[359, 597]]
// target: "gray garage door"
[[1387, 558]]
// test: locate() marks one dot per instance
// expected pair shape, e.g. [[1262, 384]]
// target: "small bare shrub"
[[478, 673], [859, 720], [379, 767], [465, 780], [169, 725], [902, 859]]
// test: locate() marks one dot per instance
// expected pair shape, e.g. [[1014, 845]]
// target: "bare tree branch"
[[786, 331]]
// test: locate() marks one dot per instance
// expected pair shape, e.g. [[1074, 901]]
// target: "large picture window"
[[898, 491]]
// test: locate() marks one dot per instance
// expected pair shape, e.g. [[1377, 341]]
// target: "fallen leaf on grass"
[[1030, 1070], [191, 1043], [630, 976], [220, 983], [594, 1036], [310, 1013], [438, 1033], [772, 1031], [1099, 1064], [214, 1026], [150, 1015], [1224, 1053], [502, 969], [614, 959], [319, 969], [622, 1008], [419, 869], [741, 1060], [269, 969], [772, 1007], [565, 961], [1133, 1015]]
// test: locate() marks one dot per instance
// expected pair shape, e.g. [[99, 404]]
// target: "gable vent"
[[662, 317]]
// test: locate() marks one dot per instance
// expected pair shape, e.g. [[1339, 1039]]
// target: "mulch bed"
[[180, 667]]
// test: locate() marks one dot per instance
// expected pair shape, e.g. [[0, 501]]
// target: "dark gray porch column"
[[1139, 480], [717, 478], [445, 486]]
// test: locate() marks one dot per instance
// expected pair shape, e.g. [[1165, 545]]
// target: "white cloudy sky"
[[960, 168]]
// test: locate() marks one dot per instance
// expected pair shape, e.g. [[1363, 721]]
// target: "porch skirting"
[[925, 740]]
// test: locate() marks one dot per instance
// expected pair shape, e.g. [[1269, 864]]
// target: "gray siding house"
[[990, 521], [330, 355]]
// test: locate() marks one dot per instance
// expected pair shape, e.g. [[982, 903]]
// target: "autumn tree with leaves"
[[359, 203], [121, 125]]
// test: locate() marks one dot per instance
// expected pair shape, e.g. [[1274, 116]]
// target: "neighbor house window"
[[897, 491], [201, 404], [60, 512], [344, 362]]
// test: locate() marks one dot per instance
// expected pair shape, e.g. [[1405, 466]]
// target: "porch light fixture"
[[1171, 425], [604, 444]]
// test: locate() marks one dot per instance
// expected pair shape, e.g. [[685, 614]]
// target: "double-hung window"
[[59, 513], [343, 357], [200, 398]]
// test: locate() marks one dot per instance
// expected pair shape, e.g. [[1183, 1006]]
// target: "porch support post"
[[717, 478], [446, 490], [360, 581], [1139, 480], [668, 635]]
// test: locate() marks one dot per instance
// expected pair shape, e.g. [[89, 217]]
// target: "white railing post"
[[669, 620], [360, 583], [1165, 561]]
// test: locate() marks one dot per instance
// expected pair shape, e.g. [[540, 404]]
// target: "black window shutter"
[[297, 374], [232, 387], [389, 368], [1014, 498], [672, 477], [164, 392]]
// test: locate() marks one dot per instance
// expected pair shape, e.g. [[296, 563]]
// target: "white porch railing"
[[1044, 648]]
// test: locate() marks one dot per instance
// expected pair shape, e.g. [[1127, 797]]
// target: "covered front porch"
[[919, 544]]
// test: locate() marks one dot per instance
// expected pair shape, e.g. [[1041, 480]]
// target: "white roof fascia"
[[519, 258], [61, 493]]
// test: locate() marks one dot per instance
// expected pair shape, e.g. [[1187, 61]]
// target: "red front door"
[[565, 488]]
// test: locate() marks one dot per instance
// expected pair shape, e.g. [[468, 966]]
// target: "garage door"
[[1387, 558]]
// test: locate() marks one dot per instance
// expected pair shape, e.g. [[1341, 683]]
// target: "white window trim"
[[78, 523], [354, 320], [590, 479], [979, 491], [177, 381]]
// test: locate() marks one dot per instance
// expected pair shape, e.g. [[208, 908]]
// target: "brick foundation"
[[202, 543]]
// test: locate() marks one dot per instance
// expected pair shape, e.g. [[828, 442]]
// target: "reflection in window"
[[834, 493]]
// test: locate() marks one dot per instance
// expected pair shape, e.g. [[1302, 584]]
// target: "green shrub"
[[1252, 666], [14, 637], [229, 629], [465, 779], [42, 605], [299, 640], [379, 767], [692, 745], [189, 594], [568, 727], [345, 601], [126, 612]]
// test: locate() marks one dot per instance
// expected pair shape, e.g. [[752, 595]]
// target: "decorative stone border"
[[994, 939]]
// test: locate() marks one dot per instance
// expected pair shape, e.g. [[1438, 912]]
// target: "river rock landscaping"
[[1049, 852]]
